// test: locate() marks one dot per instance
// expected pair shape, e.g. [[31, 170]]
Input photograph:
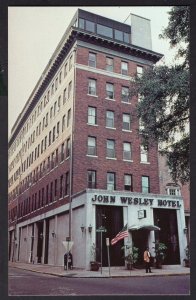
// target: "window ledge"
[[126, 102], [125, 130], [113, 158], [145, 162], [113, 128], [110, 99], [92, 95], [128, 160], [96, 125], [91, 155]]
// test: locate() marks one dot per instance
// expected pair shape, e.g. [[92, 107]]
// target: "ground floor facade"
[[150, 217]]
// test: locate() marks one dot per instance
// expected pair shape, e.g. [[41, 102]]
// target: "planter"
[[94, 265], [186, 263], [129, 266]]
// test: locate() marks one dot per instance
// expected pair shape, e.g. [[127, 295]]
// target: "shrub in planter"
[[187, 259], [94, 265], [131, 256], [160, 254]]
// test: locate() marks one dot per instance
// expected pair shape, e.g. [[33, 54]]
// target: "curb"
[[104, 276]]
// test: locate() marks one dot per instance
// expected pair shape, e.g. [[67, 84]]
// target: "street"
[[23, 282]]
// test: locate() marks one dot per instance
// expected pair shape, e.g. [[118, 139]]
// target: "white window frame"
[[127, 153]]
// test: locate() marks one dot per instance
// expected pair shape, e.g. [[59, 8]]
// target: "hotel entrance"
[[111, 217], [166, 219], [140, 241]]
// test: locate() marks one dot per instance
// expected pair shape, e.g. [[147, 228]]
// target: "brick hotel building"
[[76, 161]]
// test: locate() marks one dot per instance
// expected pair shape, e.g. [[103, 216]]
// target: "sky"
[[34, 33]]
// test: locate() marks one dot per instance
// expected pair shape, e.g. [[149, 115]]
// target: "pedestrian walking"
[[147, 256]]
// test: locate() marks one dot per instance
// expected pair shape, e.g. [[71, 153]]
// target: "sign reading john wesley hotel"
[[135, 201]]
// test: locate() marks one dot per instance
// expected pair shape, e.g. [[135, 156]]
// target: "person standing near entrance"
[[147, 260]]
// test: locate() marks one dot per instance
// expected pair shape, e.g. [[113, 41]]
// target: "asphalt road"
[[23, 282]]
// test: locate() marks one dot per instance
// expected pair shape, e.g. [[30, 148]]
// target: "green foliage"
[[164, 105], [131, 256], [160, 251], [178, 30], [187, 252], [93, 252]]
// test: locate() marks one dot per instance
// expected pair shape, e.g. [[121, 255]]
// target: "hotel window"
[[57, 128], [118, 35], [63, 123], [55, 104], [70, 62], [128, 182], [48, 165], [92, 115], [61, 186], [81, 23], [126, 122], [91, 146], [62, 151], [91, 179], [68, 148], [64, 96], [55, 189], [48, 96], [56, 83], [65, 70], [126, 151], [47, 193], [139, 71], [57, 156], [109, 64], [52, 160], [51, 112], [124, 68], [45, 146], [109, 119], [92, 60], [90, 26], [67, 183], [59, 103], [145, 184], [52, 90], [105, 31], [92, 87], [60, 77], [69, 117], [69, 89], [46, 123], [53, 136], [109, 90], [125, 94], [111, 181], [51, 191], [110, 149], [144, 153]]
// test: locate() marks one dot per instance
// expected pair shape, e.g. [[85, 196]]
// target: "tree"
[[164, 98]]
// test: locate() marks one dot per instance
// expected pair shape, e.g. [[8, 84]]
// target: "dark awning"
[[146, 227]]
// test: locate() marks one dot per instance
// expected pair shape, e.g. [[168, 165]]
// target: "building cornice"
[[57, 58]]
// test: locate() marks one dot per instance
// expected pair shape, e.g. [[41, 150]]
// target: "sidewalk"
[[114, 271]]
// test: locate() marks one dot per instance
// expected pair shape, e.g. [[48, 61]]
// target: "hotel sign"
[[136, 201]]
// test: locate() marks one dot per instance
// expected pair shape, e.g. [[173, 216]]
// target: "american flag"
[[121, 235]]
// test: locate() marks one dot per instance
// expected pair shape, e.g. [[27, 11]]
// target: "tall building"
[[76, 161]]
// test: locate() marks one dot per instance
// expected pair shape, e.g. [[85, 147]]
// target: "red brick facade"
[[82, 163]]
